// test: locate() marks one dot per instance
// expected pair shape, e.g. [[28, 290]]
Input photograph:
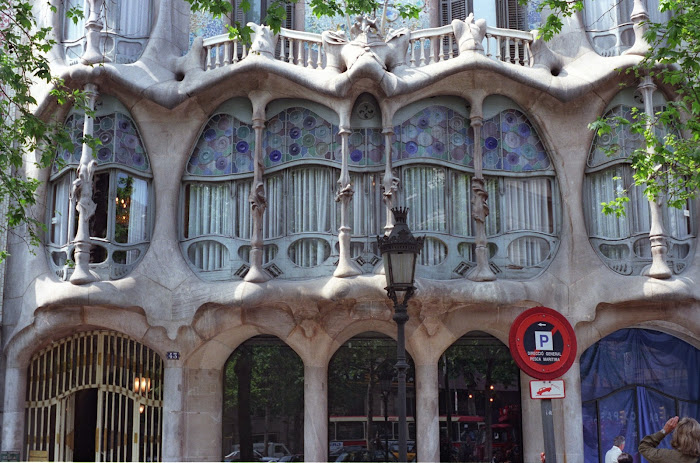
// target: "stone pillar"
[[480, 207], [93, 30], [390, 184], [568, 417], [173, 414], [346, 266], [258, 204], [13, 415], [427, 413], [203, 399], [640, 19], [81, 192], [315, 413], [657, 234]]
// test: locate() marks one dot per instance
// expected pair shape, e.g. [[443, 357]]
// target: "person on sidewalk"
[[685, 442], [616, 450]]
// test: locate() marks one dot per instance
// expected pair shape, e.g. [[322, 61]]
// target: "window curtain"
[[209, 213], [528, 206], [602, 15], [601, 188], [461, 204], [71, 30], [241, 213], [424, 190], [273, 218], [60, 221], [311, 196], [367, 217], [138, 217], [134, 18]]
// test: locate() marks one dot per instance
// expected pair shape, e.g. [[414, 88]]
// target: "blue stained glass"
[[491, 143], [411, 148], [241, 147], [275, 156], [356, 156]]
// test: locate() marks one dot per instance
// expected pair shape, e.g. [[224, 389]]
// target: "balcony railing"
[[427, 46]]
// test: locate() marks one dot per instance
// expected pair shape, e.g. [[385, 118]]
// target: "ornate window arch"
[[434, 154], [121, 227], [609, 26], [623, 242], [126, 25], [301, 159]]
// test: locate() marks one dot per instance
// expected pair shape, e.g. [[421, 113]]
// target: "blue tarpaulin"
[[632, 382]]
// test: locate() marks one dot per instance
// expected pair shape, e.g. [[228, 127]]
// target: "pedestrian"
[[625, 458], [616, 450], [685, 442]]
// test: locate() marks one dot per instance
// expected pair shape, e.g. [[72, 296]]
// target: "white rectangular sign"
[[547, 389]]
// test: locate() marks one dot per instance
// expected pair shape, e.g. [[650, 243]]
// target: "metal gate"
[[98, 377]]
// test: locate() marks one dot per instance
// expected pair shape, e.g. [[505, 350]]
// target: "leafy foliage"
[[23, 62], [667, 165]]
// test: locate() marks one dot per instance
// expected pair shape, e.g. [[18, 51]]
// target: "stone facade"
[[170, 93]]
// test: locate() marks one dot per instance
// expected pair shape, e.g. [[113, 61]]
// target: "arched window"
[[121, 226], [623, 242], [300, 177], [609, 26], [126, 27], [632, 382], [435, 154]]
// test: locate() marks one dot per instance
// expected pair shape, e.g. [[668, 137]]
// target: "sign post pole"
[[543, 345], [548, 431]]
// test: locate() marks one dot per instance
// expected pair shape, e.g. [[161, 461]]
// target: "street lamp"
[[399, 251], [385, 383]]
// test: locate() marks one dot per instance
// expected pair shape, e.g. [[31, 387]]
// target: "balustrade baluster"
[[290, 56], [227, 52]]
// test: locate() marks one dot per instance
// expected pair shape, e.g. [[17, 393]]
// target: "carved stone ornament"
[[366, 49], [469, 33], [257, 198]]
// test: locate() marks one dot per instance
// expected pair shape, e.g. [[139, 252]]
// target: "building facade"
[[238, 190]]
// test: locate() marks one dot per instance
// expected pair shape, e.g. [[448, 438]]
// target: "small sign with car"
[[547, 389]]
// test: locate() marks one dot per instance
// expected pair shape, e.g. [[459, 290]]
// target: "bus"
[[351, 431]]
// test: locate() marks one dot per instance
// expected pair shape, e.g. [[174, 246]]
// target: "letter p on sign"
[[543, 340]]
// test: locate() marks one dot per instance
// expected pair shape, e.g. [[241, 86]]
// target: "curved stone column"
[[13, 410], [427, 413], [315, 413], [173, 413]]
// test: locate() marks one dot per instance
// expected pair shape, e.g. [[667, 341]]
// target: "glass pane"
[[100, 195], [424, 189], [131, 209], [62, 211], [311, 199], [208, 209], [208, 255], [309, 252]]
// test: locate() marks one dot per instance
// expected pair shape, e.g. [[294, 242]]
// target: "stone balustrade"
[[426, 47]]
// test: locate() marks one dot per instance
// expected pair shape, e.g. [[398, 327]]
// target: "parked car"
[[292, 458], [366, 455], [236, 456]]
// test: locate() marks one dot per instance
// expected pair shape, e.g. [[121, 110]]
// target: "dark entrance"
[[85, 424]]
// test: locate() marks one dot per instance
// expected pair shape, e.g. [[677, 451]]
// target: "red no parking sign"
[[542, 343]]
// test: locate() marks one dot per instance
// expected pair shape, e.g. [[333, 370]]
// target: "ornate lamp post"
[[385, 384], [399, 251]]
